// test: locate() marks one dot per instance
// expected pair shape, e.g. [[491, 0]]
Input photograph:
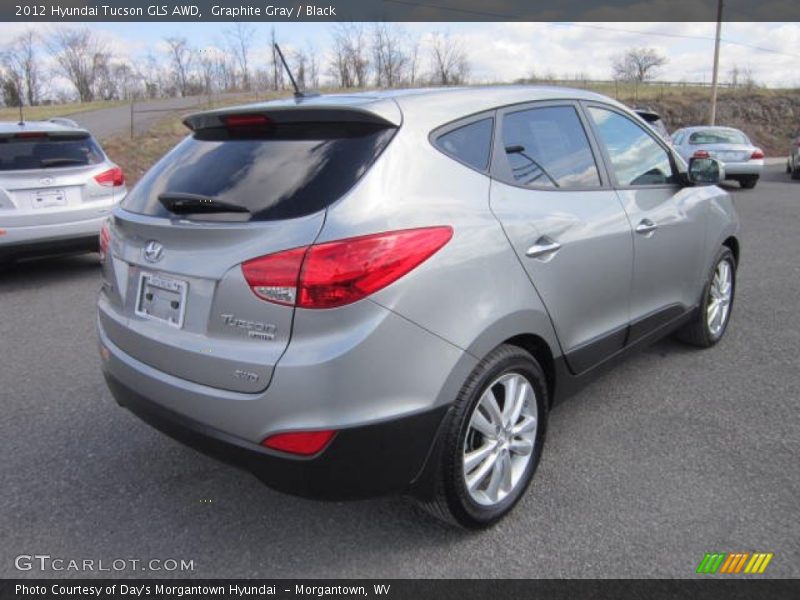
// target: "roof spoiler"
[[289, 114]]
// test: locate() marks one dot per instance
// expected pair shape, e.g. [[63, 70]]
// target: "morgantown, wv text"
[[233, 590]]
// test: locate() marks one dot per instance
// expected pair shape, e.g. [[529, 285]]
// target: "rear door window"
[[286, 170], [548, 147], [41, 151], [470, 144]]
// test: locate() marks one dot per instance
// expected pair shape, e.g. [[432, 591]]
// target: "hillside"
[[770, 119]]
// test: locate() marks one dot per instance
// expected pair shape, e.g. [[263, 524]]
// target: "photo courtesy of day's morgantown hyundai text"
[[352, 295]]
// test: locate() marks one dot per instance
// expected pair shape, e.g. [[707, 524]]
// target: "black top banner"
[[399, 10]]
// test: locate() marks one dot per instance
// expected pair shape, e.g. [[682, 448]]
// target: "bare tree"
[[277, 67], [413, 61], [637, 65], [10, 91], [240, 39], [79, 53], [181, 57], [389, 57], [450, 65], [208, 69], [300, 67], [350, 62], [21, 63], [313, 67]]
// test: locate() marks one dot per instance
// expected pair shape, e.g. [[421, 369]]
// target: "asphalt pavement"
[[116, 120], [676, 453]]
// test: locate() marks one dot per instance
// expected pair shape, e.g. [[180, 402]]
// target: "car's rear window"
[[21, 153], [284, 171], [718, 136]]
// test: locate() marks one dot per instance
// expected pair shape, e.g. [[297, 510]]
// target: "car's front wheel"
[[492, 444], [711, 321]]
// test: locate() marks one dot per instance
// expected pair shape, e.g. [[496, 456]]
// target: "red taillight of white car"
[[111, 178], [105, 241], [757, 154], [701, 154], [336, 273]]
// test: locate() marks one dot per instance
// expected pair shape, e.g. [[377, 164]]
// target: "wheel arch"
[[537, 347], [733, 243]]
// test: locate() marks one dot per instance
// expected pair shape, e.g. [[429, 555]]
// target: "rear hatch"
[[50, 177], [246, 183]]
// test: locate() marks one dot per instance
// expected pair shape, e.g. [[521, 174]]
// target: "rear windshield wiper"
[[183, 204], [52, 162]]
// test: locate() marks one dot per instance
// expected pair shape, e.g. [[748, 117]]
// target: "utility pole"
[[715, 75]]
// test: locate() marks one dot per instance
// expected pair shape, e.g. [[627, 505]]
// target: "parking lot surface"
[[675, 453]]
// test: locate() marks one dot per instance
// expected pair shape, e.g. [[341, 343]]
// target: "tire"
[[796, 173], [749, 182], [700, 332], [492, 496], [788, 168]]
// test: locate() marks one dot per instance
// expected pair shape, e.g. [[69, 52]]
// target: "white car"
[[57, 187], [742, 160]]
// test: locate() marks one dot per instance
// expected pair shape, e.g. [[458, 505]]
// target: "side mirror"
[[705, 171]]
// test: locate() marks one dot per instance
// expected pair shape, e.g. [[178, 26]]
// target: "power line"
[[481, 13]]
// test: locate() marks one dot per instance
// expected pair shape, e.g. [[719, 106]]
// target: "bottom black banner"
[[402, 589]]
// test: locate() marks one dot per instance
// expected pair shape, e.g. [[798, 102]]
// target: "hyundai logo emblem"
[[153, 251]]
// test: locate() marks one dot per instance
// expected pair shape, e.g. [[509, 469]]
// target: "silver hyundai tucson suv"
[[57, 188], [386, 292]]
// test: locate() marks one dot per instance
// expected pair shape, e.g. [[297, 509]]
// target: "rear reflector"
[[105, 241], [344, 271], [701, 154], [758, 153], [111, 178], [245, 120], [304, 443]]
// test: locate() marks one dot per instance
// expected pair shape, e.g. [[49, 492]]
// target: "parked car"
[[793, 162], [654, 120], [57, 187], [743, 161], [386, 292]]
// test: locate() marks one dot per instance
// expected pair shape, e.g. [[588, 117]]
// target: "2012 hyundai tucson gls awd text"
[[386, 292]]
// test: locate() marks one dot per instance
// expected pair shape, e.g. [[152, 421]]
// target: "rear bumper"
[[360, 462], [753, 167], [58, 238]]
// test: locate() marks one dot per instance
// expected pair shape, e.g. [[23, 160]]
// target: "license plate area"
[[49, 198], [162, 298]]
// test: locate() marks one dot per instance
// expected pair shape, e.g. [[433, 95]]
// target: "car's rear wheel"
[[711, 321], [492, 444], [796, 173], [749, 182]]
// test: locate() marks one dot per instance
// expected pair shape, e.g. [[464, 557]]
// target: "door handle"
[[543, 248], [646, 227]]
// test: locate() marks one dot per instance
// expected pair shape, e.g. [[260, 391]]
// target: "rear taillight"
[[111, 178], [105, 241], [304, 443], [758, 153], [341, 272], [701, 154]]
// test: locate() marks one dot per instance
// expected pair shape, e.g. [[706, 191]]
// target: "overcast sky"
[[507, 51]]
